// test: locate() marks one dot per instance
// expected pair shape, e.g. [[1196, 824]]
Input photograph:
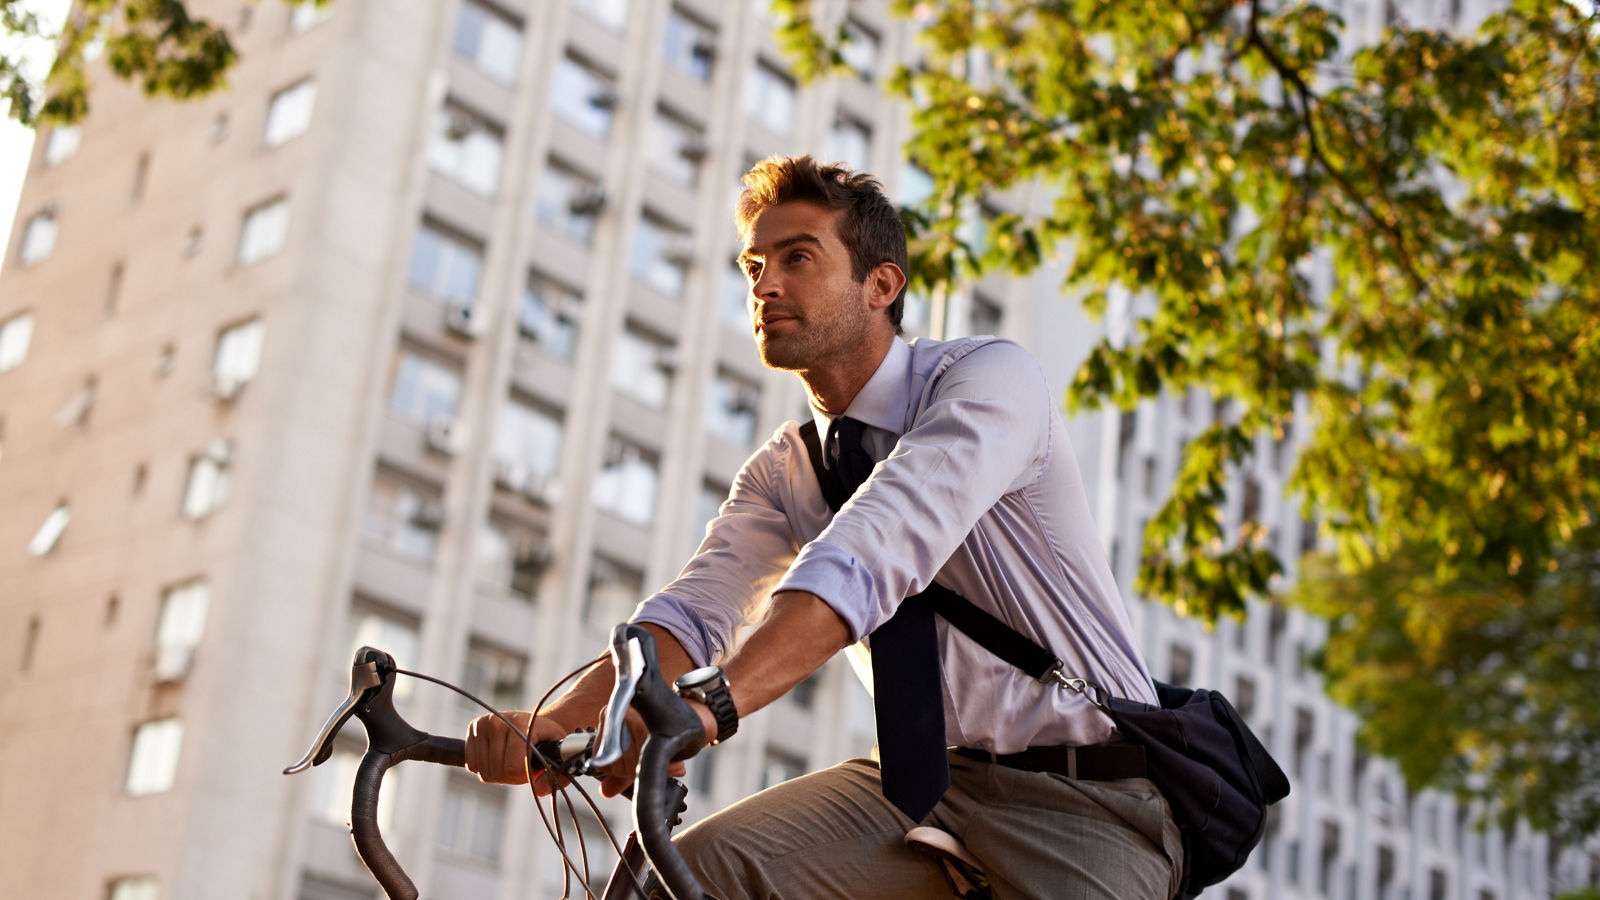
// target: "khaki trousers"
[[832, 835]]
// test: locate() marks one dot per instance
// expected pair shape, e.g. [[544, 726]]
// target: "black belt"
[[1100, 762]]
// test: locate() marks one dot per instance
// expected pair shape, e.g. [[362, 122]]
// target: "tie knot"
[[852, 464], [847, 434]]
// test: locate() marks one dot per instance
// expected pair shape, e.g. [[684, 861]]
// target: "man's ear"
[[883, 285]]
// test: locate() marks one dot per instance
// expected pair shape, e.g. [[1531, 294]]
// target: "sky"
[[16, 142]]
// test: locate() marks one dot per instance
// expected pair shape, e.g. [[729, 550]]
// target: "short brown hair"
[[870, 227]]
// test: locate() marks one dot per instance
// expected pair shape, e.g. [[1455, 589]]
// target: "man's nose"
[[766, 286]]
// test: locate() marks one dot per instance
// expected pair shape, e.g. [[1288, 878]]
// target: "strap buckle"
[[1094, 692]]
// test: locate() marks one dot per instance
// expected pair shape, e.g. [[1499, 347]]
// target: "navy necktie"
[[908, 701]]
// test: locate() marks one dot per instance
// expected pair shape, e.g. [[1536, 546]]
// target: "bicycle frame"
[[674, 733]]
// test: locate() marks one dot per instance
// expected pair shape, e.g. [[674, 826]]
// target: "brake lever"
[[628, 659], [366, 679]]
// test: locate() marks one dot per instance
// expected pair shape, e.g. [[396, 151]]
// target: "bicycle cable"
[[550, 767]]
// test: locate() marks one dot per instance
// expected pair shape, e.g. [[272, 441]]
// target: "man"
[[971, 480]]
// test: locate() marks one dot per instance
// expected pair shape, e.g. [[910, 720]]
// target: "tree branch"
[[1255, 39]]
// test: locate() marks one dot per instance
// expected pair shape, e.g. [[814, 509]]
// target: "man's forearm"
[[798, 633]]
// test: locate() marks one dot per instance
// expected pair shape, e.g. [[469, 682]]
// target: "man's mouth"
[[767, 322]]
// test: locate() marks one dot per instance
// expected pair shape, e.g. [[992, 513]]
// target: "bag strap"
[[979, 624]]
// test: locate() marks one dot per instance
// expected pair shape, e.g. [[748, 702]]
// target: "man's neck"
[[832, 388]]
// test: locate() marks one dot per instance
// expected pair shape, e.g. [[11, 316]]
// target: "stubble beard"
[[820, 339]]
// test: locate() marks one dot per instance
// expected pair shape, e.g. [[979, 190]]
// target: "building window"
[[610, 13], [732, 407], [425, 391], [527, 448], [583, 96], [16, 333], [289, 115], [265, 228], [691, 46], [492, 43], [494, 676], [914, 186], [138, 887], [677, 148], [769, 98], [63, 144], [238, 357], [614, 590], [44, 540], [780, 766], [661, 255], [369, 626], [861, 49], [985, 316], [207, 487], [1182, 669], [1244, 696], [804, 694], [305, 15], [179, 628], [332, 784], [626, 485], [703, 771], [472, 819], [851, 142], [707, 503], [512, 559], [549, 316], [38, 238], [445, 267], [153, 764], [734, 310], [402, 518], [569, 202], [467, 148], [642, 367]]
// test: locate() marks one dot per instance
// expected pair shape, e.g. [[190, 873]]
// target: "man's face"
[[806, 309]]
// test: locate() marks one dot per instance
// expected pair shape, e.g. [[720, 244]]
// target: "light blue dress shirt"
[[975, 485]]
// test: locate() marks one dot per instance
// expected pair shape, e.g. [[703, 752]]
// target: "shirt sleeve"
[[982, 432], [747, 547]]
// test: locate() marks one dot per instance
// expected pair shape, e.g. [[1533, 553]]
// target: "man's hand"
[[497, 755], [615, 778]]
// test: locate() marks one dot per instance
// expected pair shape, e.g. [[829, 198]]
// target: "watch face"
[[698, 678]]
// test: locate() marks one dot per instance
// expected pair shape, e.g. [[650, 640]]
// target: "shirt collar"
[[883, 401]]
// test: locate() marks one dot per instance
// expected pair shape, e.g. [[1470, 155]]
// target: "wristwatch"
[[710, 686]]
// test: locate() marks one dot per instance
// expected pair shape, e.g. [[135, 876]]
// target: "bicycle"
[[658, 800]]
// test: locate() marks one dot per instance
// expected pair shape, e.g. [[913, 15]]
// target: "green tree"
[[1206, 157], [155, 43]]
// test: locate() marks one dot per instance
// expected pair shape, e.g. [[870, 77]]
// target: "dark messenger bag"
[[1214, 772]]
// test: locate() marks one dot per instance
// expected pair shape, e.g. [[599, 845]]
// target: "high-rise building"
[[426, 334]]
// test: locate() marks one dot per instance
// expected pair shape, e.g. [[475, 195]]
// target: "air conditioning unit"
[[443, 436], [746, 402], [695, 149], [460, 125], [669, 360], [534, 556], [588, 201], [679, 251], [429, 515], [605, 98], [704, 48], [542, 489], [512, 476], [460, 320], [171, 662]]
